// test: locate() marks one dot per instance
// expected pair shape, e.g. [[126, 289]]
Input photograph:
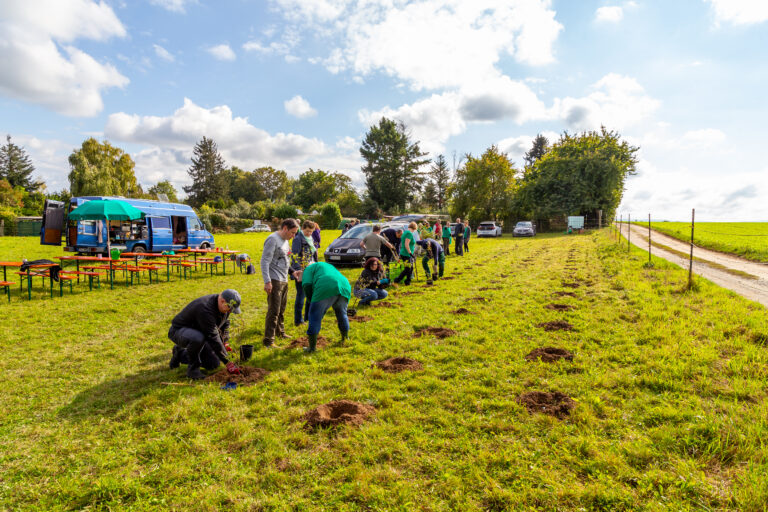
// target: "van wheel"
[[139, 248], [205, 245]]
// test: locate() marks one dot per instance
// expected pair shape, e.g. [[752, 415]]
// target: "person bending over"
[[432, 251], [393, 237], [326, 288], [370, 285], [407, 249], [303, 252], [200, 333], [373, 241]]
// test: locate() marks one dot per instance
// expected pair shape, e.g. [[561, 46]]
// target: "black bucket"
[[246, 351]]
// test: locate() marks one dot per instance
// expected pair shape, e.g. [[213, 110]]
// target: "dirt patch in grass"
[[759, 338], [386, 304], [478, 299], [446, 278], [437, 332], [485, 288], [571, 285], [357, 318], [302, 341], [399, 364], [559, 307], [556, 325], [503, 275], [555, 404], [564, 294], [248, 376], [462, 311], [413, 292], [549, 354], [338, 412]]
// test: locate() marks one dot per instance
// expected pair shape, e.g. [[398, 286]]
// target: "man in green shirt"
[[407, 248], [326, 288]]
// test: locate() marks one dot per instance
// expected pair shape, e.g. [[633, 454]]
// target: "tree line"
[[576, 175]]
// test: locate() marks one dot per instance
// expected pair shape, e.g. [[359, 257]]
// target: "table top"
[[208, 251], [82, 258], [145, 254], [10, 264]]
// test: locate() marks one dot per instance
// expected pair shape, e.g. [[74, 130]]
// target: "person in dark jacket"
[[200, 333], [370, 285], [432, 251], [393, 236], [316, 236], [458, 235], [467, 235], [303, 251]]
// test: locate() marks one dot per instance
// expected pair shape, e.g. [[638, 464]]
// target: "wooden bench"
[[86, 272], [6, 286]]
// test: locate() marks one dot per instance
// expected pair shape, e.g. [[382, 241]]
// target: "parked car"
[[524, 228], [346, 249], [488, 228], [258, 228]]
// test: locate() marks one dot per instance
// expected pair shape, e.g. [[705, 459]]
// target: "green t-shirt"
[[407, 235], [322, 280], [446, 232]]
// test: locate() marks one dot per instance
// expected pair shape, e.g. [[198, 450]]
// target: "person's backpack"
[[251, 269]]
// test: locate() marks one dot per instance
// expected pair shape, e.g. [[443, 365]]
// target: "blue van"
[[165, 227]]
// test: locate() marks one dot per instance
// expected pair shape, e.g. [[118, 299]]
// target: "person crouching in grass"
[[326, 288], [370, 285]]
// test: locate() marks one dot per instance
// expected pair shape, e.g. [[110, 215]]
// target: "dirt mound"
[[556, 325], [559, 307], [485, 288], [448, 278], [357, 318], [413, 292], [564, 294], [399, 364], [571, 285], [437, 332], [462, 311], [336, 413], [248, 376], [302, 341], [549, 354], [503, 275], [386, 304], [555, 404]]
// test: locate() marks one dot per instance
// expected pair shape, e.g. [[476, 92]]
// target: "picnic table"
[[78, 259], [6, 284], [36, 270], [222, 252]]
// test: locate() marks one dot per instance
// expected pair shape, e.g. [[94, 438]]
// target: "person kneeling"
[[200, 333], [325, 287], [370, 285]]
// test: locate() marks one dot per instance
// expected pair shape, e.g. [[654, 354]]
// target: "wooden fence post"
[[649, 239], [690, 262], [629, 226]]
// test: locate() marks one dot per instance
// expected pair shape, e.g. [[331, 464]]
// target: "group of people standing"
[[200, 332]]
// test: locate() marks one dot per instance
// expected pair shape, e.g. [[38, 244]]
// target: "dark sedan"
[[346, 249]]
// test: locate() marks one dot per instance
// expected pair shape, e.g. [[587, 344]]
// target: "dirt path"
[[753, 289]]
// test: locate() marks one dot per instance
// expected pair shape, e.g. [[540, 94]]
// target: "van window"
[[194, 224], [87, 227], [161, 222]]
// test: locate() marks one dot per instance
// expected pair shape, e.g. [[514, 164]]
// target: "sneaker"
[[175, 357], [195, 373], [284, 336], [269, 344]]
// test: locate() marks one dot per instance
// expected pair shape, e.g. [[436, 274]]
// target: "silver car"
[[524, 228]]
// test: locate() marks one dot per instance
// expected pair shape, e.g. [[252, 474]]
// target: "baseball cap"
[[232, 298]]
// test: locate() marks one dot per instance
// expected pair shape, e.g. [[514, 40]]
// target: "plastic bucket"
[[246, 351]]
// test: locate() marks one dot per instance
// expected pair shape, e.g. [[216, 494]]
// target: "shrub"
[[330, 215], [285, 211]]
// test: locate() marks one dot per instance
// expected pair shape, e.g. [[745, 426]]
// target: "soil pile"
[[485, 288], [437, 332], [399, 364], [559, 307], [564, 294], [556, 325], [555, 404], [446, 278], [336, 413], [358, 318], [248, 376], [462, 311], [549, 354], [302, 341]]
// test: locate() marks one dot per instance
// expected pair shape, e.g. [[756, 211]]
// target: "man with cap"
[[200, 333]]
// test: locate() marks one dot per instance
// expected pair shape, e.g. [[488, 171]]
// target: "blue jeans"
[[369, 295], [300, 304], [318, 309]]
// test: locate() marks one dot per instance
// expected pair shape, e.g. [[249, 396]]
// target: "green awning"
[[106, 209]]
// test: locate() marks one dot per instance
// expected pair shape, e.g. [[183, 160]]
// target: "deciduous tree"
[[164, 187], [484, 187], [100, 169]]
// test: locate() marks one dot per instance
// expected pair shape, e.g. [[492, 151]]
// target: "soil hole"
[[338, 412], [357, 318], [437, 332], [556, 325], [399, 364], [386, 304], [479, 299], [302, 341], [564, 294], [248, 376], [486, 288], [462, 311], [555, 404], [571, 285], [559, 307], [549, 354]]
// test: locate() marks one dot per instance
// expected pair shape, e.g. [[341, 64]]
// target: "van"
[[165, 227]]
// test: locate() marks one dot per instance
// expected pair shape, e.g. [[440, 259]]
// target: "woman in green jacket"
[[447, 239], [325, 288]]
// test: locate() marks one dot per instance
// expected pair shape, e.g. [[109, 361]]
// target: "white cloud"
[[299, 107], [348, 143], [172, 5], [517, 147], [49, 156], [430, 44], [740, 12], [706, 138], [47, 68], [222, 52], [609, 14], [163, 53]]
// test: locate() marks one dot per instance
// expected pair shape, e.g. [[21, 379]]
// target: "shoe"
[[194, 373], [312, 344], [344, 337], [284, 336], [175, 357], [297, 324], [269, 344]]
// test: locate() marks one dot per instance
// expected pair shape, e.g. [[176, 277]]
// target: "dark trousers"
[[407, 272], [460, 246], [447, 245], [301, 303], [466, 245], [195, 351], [276, 302]]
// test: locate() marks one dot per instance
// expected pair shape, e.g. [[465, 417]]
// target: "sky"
[[295, 84]]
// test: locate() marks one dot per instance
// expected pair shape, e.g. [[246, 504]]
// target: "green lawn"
[[746, 239], [669, 387]]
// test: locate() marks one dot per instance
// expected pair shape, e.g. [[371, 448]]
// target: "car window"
[[487, 225], [358, 231]]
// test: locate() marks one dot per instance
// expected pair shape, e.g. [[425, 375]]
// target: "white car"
[[258, 228], [488, 228]]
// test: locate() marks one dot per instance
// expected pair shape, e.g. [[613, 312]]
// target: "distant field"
[[746, 239]]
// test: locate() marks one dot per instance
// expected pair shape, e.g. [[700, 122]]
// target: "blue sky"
[[296, 83]]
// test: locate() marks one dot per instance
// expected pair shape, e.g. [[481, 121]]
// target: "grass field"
[[669, 388], [746, 239]]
